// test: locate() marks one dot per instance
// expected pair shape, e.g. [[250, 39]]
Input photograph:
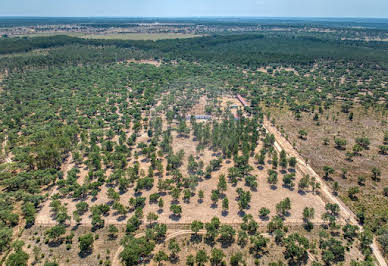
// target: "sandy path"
[[282, 143]]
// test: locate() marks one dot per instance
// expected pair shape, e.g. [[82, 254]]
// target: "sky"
[[195, 8]]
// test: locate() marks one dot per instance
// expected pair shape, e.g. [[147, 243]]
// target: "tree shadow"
[[274, 187], [175, 201], [225, 213], [290, 188], [75, 227], [138, 194], [253, 189], [121, 218], [29, 225], [241, 213], [56, 243], [210, 241], [196, 238], [175, 217], [226, 244], [174, 259], [84, 254]]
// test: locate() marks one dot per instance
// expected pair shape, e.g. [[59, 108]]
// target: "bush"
[[86, 242]]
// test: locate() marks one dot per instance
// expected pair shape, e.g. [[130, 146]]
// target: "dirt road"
[[282, 143]]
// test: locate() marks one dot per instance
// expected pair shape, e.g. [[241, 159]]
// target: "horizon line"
[[191, 17]]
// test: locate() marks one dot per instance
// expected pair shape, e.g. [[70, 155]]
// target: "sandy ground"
[[282, 143], [264, 196], [145, 61]]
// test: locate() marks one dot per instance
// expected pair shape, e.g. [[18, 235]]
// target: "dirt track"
[[282, 143]]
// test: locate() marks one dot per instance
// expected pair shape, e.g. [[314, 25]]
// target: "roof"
[[206, 117], [242, 100]]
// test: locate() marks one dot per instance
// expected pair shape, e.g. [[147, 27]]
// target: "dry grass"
[[195, 210], [333, 123]]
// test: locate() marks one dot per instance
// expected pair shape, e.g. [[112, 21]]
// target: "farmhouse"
[[199, 117]]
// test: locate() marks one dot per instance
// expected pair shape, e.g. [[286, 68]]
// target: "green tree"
[[196, 226], [283, 159], [86, 242], [292, 162], [227, 234], [222, 186], [152, 217], [201, 195], [18, 258], [283, 206], [352, 192], [112, 231], [328, 170], [136, 250], [55, 232], [217, 256], [176, 209], [160, 256], [190, 260], [296, 248], [308, 214], [302, 134], [225, 204], [376, 173], [201, 258], [237, 259], [304, 182], [263, 212], [259, 243], [5, 237], [173, 246], [332, 251], [340, 143], [272, 177]]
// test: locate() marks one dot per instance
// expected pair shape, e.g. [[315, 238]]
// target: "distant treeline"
[[248, 50], [25, 44]]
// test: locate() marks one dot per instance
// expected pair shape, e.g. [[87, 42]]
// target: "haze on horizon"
[[198, 8]]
